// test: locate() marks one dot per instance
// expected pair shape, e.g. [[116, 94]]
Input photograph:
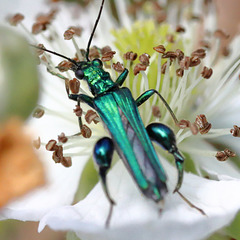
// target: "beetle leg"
[[120, 80], [102, 154], [165, 137], [146, 95]]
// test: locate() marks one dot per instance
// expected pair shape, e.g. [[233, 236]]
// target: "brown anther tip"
[[194, 61], [144, 59], [203, 124], [58, 154], [68, 34], [229, 153], [205, 44], [225, 51], [37, 143], [118, 67], [107, 56], [15, 19], [78, 111], [206, 72], [163, 68], [185, 63], [66, 161], [183, 124], [93, 53], [235, 131], [170, 38], [40, 50], [139, 67], [221, 156], [160, 49], [38, 113], [74, 85], [224, 155], [64, 66], [106, 49], [180, 55], [37, 28], [161, 16], [180, 29], [130, 56], [86, 131], [62, 138], [91, 116], [179, 72], [169, 54], [52, 145], [200, 53], [156, 111], [221, 34]]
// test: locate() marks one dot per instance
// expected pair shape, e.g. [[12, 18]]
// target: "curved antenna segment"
[[93, 31], [55, 53]]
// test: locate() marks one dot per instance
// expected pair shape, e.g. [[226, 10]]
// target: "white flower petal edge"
[[134, 217]]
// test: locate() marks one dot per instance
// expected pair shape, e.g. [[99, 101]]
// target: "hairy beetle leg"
[[102, 154]]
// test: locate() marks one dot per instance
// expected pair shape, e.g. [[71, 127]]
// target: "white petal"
[[135, 217]]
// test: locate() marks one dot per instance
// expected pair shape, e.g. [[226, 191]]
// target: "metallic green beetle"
[[128, 136]]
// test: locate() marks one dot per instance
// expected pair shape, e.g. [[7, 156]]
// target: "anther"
[[37, 143], [64, 66], [194, 61], [93, 53], [205, 44], [74, 85], [170, 38], [66, 161], [200, 53], [78, 111], [180, 72], [160, 49], [203, 124], [156, 111], [183, 124], [86, 131], [144, 59], [40, 51], [224, 155], [169, 54], [106, 49], [185, 63], [91, 116], [130, 56], [221, 34], [71, 31], [38, 113], [58, 154], [206, 72], [180, 29], [163, 68], [16, 19], [107, 56], [118, 67], [51, 145], [235, 131], [180, 55], [62, 138], [139, 67]]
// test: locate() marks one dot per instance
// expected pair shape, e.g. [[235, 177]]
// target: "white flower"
[[189, 93]]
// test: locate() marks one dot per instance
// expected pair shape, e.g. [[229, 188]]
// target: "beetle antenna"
[[55, 53], [93, 31]]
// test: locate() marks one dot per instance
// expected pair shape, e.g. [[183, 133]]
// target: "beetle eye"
[[97, 62], [79, 74]]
